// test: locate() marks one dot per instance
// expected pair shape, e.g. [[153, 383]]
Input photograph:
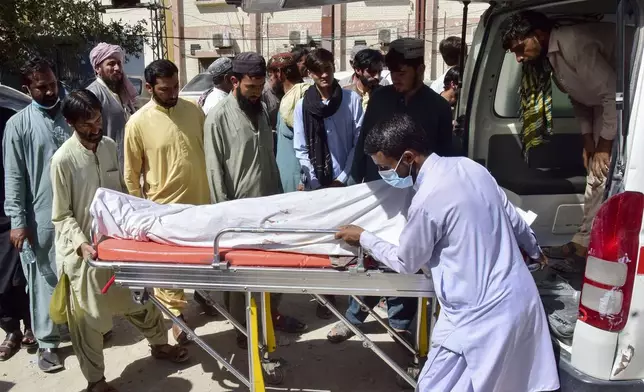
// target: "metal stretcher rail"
[[355, 281]]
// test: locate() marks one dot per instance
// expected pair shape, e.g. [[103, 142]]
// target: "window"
[[506, 99], [201, 82]]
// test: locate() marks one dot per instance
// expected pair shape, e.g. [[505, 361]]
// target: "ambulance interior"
[[551, 180]]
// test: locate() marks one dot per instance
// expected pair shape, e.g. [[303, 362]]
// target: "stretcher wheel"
[[273, 372], [413, 372]]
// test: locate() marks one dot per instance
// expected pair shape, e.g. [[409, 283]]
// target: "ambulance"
[[597, 323]]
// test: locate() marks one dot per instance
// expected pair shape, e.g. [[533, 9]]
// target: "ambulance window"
[[507, 101]]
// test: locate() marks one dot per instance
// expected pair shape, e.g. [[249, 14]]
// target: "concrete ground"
[[313, 364]]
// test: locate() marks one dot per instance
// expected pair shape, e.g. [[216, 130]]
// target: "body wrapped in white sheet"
[[375, 206]]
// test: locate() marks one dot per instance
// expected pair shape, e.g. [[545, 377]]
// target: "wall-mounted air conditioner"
[[385, 36], [298, 37], [222, 40]]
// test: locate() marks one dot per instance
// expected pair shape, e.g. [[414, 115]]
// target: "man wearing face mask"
[[367, 65], [407, 94], [164, 144], [238, 142], [85, 162], [114, 90], [492, 333], [31, 137]]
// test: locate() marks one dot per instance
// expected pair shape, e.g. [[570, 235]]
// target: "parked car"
[[196, 86]]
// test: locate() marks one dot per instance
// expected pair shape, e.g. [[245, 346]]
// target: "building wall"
[[195, 21]]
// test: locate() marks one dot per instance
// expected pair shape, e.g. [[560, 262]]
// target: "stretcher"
[[142, 266]]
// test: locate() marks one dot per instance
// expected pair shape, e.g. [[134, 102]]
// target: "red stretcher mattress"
[[152, 252]]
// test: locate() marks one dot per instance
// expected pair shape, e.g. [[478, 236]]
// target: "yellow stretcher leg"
[[423, 341], [253, 330], [271, 345]]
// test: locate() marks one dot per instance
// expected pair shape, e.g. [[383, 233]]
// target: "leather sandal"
[[100, 386], [10, 346], [166, 352]]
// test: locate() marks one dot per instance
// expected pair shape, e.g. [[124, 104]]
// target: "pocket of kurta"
[[58, 304]]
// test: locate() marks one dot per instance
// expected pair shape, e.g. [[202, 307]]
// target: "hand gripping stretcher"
[[142, 266]]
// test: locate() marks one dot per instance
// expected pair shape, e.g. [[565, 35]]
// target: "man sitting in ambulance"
[[581, 60]]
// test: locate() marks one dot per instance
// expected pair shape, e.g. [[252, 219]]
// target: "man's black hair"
[[292, 73], [80, 105], [365, 58], [159, 69], [396, 135], [32, 66], [221, 78], [319, 60], [452, 76], [298, 53], [522, 25], [450, 49]]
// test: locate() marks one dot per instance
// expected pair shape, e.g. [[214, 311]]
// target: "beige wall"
[[269, 33]]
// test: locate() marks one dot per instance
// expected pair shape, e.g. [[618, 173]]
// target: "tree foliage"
[[61, 30]]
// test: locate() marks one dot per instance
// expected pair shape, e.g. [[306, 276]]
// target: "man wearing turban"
[[114, 90]]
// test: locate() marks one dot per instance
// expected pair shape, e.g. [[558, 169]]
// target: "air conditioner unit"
[[218, 40], [385, 36], [298, 37], [227, 41]]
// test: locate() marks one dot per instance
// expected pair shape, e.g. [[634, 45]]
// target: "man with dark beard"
[[164, 144], [367, 65], [114, 90], [85, 162], [238, 143]]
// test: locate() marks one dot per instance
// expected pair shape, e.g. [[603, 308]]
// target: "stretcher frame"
[[355, 281]]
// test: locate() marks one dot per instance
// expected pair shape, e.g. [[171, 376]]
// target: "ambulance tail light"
[[611, 265]]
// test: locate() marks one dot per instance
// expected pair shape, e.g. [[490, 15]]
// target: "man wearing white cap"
[[220, 70], [114, 90]]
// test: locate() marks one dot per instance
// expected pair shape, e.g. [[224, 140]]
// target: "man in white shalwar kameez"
[[492, 334]]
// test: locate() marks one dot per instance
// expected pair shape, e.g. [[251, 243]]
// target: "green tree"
[[62, 31]]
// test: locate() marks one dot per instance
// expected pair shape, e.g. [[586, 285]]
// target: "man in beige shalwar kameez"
[[85, 162]]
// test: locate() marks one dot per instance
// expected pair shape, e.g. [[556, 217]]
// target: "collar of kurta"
[[425, 169], [78, 143], [164, 109]]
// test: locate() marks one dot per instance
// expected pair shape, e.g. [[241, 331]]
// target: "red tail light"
[[612, 262]]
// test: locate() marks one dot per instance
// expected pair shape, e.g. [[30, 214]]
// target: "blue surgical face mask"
[[392, 178], [39, 106]]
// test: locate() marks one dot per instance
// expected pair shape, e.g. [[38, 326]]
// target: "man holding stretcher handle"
[[491, 334]]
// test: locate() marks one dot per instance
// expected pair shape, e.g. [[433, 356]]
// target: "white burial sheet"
[[375, 206]]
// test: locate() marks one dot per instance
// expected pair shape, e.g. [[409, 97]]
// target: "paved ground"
[[313, 364]]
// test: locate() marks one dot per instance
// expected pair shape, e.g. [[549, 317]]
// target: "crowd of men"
[[57, 154]]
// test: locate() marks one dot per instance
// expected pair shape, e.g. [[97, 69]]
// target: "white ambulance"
[[597, 324]]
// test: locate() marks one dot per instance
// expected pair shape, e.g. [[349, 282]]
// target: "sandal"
[[166, 352], [288, 324], [561, 252], [100, 386], [339, 333], [10, 346], [29, 340]]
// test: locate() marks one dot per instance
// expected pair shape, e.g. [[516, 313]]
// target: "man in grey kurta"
[[30, 140], [114, 90], [238, 144]]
